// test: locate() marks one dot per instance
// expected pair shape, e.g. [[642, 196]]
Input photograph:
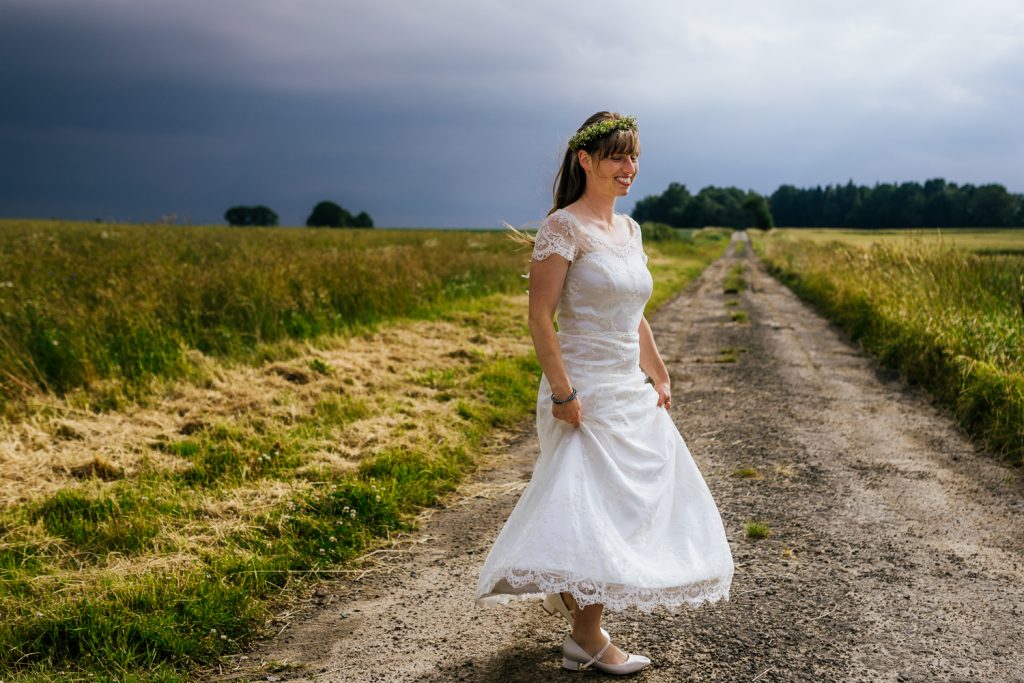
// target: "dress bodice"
[[603, 298], [607, 285]]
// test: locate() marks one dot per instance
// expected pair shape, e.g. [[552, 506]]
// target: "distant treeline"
[[721, 206], [936, 203], [906, 205]]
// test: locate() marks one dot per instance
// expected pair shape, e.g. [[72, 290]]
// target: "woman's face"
[[613, 175]]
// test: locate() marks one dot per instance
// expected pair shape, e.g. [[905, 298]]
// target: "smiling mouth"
[[624, 180]]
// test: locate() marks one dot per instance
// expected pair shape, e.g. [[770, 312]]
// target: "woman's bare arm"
[[547, 278], [652, 364]]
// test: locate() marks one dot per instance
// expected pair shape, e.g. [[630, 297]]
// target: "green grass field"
[[201, 423], [82, 304], [946, 311]]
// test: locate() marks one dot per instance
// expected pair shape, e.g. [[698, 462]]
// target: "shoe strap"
[[596, 657]]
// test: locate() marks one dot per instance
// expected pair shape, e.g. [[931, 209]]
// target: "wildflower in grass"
[[332, 539], [322, 551]]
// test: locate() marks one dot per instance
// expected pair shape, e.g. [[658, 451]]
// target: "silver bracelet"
[[567, 399]]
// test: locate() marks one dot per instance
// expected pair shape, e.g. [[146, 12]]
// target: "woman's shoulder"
[[560, 221], [562, 216], [556, 235], [632, 227], [630, 221]]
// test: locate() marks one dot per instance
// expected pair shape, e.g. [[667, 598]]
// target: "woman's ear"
[[584, 159]]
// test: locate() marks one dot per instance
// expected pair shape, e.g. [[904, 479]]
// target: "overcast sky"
[[455, 113]]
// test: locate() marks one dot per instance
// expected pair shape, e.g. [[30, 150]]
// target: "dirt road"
[[896, 551]]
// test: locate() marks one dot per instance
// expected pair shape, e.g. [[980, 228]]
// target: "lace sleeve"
[[555, 236]]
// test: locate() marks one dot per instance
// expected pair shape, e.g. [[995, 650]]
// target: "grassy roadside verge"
[[150, 573], [945, 318], [101, 312], [237, 488]]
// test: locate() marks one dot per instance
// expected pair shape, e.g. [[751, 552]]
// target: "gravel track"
[[896, 550]]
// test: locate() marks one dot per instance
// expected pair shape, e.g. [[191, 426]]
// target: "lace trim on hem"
[[614, 597]]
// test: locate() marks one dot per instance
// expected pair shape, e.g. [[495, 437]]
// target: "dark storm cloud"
[[453, 113], [124, 120]]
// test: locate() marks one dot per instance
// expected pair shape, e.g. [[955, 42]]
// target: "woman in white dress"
[[616, 513]]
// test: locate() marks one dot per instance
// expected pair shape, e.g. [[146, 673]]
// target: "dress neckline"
[[601, 238]]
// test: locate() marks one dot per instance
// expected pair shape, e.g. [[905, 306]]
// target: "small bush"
[[756, 530], [746, 473]]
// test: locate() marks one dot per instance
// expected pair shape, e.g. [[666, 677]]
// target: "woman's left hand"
[[664, 394]]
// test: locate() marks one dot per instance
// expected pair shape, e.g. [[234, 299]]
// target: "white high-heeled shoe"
[[554, 604], [575, 658]]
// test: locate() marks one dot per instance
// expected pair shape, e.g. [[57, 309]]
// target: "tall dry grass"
[[946, 318], [80, 302]]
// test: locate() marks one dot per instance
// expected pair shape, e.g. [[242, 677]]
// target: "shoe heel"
[[570, 664]]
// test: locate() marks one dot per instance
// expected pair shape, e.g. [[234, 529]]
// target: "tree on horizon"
[[259, 215], [328, 214]]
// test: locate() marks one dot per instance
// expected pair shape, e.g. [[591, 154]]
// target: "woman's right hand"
[[570, 412]]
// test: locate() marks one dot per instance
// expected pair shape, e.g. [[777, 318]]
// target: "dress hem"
[[520, 586]]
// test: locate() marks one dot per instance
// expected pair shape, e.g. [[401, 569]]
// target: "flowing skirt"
[[616, 511]]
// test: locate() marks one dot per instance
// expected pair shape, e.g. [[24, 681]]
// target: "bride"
[[616, 513]]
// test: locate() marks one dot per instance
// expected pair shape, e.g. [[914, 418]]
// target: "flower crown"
[[599, 130]]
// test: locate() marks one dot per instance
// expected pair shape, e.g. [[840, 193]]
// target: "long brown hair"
[[571, 181]]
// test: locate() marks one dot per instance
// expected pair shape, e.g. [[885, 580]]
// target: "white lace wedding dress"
[[616, 512]]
